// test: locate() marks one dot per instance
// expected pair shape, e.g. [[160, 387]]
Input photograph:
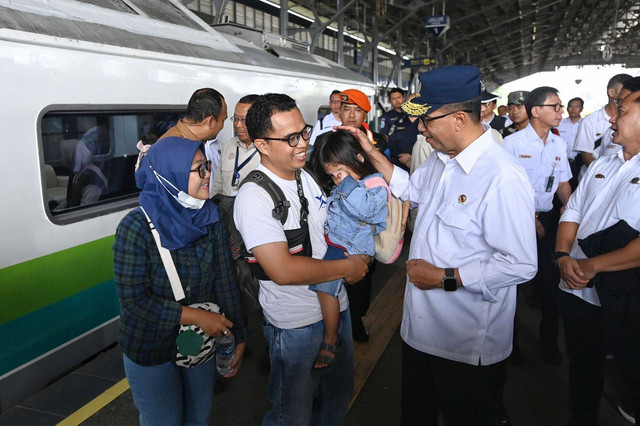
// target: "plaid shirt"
[[149, 314]]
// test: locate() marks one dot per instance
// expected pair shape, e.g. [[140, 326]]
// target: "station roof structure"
[[507, 39]]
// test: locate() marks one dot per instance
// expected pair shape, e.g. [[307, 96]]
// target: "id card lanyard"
[[551, 178], [236, 169]]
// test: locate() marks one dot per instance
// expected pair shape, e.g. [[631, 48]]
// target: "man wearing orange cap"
[[353, 110]]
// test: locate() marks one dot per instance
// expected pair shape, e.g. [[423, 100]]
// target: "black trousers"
[[547, 279], [359, 295], [586, 343], [465, 394]]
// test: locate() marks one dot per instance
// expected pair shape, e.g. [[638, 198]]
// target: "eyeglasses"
[[238, 120], [203, 169], [426, 119], [294, 138], [556, 107], [334, 102]]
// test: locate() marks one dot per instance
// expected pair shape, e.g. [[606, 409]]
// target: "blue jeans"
[[299, 396], [330, 287], [166, 394]]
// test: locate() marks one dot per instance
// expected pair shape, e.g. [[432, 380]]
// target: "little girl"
[[342, 170]]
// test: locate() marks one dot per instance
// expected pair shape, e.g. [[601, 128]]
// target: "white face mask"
[[184, 199]]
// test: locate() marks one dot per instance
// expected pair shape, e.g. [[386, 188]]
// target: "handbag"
[[195, 346], [388, 243]]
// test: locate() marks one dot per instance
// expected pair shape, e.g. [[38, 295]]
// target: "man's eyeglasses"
[[556, 107], [238, 120], [203, 169], [294, 138], [426, 119], [334, 102]]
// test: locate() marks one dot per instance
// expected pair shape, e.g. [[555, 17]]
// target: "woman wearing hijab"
[[175, 192]]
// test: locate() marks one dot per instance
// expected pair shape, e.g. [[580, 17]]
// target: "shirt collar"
[[184, 129], [469, 156], [533, 136]]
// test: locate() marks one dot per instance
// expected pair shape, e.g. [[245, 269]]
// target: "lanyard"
[[236, 168]]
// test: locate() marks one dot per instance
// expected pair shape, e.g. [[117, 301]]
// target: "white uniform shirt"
[[568, 131], [324, 125], [607, 146], [592, 127], [212, 150], [224, 176], [475, 213], [285, 306], [540, 160], [608, 192]]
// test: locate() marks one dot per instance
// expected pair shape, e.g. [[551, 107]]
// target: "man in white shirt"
[[595, 126], [568, 128], [473, 242], [238, 156], [608, 193], [544, 157], [203, 120], [293, 320], [326, 123], [497, 122]]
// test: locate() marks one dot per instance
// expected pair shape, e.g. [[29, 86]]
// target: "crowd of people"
[[554, 203]]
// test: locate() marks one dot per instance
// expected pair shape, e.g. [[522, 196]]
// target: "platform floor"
[[536, 393]]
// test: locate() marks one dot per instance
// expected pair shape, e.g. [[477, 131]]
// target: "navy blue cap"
[[441, 86], [488, 97]]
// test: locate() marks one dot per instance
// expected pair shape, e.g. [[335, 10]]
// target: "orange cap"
[[353, 96]]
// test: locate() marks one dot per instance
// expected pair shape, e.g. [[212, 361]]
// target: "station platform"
[[536, 393]]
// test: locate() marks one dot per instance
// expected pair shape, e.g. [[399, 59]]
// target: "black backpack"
[[248, 270]]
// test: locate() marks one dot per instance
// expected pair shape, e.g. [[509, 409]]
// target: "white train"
[[81, 81]]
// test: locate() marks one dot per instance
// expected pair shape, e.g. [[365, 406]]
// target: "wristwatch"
[[557, 255], [449, 281]]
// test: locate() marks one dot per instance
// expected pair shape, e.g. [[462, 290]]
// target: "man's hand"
[[424, 275], [586, 265], [405, 159], [237, 359], [358, 267], [539, 229], [572, 274]]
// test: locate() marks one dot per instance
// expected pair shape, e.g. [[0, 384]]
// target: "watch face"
[[450, 284]]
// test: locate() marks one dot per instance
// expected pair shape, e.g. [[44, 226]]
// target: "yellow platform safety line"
[[96, 404]]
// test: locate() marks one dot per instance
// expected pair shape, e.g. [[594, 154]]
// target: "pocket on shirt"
[[627, 205], [455, 222]]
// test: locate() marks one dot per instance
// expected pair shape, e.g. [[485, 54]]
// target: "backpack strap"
[[281, 204], [378, 181]]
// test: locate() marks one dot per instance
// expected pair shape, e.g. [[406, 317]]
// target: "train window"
[[89, 159]]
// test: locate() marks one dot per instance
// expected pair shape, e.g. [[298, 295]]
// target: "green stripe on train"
[[32, 285], [38, 332]]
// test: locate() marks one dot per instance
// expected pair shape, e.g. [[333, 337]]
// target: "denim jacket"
[[352, 208]]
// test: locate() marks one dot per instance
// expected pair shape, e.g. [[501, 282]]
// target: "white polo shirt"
[[475, 213], [592, 127], [607, 146], [568, 131], [608, 192], [324, 125], [540, 160]]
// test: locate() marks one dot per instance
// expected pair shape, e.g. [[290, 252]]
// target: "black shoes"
[[359, 332]]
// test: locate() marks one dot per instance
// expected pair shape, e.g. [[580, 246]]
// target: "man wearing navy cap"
[[488, 106], [473, 242]]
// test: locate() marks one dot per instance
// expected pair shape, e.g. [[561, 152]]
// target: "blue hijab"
[[178, 226]]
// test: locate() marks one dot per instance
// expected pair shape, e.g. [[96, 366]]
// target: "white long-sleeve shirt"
[[475, 213], [608, 192]]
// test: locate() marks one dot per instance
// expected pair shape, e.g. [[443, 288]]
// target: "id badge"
[[550, 180]]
